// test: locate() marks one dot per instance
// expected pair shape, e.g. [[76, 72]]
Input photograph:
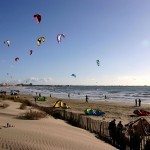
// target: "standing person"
[[69, 95], [139, 102], [122, 144], [112, 131], [136, 139], [35, 99], [105, 97], [86, 99], [136, 102], [50, 95], [119, 127], [119, 130], [39, 94], [147, 145]]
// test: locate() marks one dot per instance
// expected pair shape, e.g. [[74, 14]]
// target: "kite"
[[7, 42], [31, 51], [16, 59], [38, 18], [98, 62], [40, 40], [59, 37], [73, 75]]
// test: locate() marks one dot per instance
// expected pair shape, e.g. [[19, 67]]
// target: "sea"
[[95, 93]]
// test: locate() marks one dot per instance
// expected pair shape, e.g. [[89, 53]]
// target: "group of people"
[[117, 135], [119, 138], [12, 92], [137, 102]]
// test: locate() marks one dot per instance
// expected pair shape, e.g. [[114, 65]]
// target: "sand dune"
[[44, 134]]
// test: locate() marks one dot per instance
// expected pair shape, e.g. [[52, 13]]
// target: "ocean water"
[[95, 93]]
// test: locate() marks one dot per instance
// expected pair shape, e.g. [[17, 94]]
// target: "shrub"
[[27, 102], [23, 106], [33, 115], [4, 105]]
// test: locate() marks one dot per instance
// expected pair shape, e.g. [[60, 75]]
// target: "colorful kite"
[[37, 18], [40, 40], [59, 37]]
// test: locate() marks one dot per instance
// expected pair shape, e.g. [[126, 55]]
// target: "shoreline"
[[95, 94]]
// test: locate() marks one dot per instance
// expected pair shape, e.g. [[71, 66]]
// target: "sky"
[[116, 32]]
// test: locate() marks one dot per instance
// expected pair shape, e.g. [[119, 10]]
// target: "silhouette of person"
[[86, 98], [136, 102], [139, 102], [69, 95], [119, 130], [112, 131], [135, 139], [147, 145]]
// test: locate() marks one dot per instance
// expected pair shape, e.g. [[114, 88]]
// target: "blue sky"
[[117, 32]]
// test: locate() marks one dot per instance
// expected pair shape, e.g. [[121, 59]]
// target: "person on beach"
[[112, 131], [105, 97], [147, 145], [39, 94], [139, 102], [86, 99], [69, 95], [35, 99], [136, 102], [119, 127], [119, 130], [122, 144], [50, 95], [135, 139]]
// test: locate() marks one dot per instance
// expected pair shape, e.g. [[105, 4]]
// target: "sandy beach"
[[45, 134], [121, 111]]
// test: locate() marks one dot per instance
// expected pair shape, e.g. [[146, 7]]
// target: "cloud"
[[134, 80], [36, 80], [146, 43]]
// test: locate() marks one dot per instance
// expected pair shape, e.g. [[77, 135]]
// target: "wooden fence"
[[100, 128]]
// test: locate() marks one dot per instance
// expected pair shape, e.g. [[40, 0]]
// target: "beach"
[[50, 133], [121, 111], [47, 133]]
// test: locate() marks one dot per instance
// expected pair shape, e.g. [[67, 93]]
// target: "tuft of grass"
[[33, 115], [23, 106], [4, 105]]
